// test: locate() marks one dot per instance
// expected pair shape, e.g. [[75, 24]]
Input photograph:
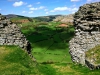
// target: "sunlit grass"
[[72, 69], [94, 53], [15, 61]]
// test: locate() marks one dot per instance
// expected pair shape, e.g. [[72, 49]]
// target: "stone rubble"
[[87, 33], [10, 34]]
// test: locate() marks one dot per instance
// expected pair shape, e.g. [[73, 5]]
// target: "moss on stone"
[[94, 55]]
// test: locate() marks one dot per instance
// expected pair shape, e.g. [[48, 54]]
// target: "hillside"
[[64, 19], [46, 18], [9, 16], [18, 19], [39, 18], [15, 61], [56, 18]]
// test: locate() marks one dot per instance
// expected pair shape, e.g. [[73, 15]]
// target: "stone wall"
[[82, 43], [10, 34], [87, 32]]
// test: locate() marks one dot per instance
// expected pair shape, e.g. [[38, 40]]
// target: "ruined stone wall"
[[87, 31], [82, 43], [10, 34]]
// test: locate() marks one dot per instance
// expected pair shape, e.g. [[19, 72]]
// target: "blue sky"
[[33, 8]]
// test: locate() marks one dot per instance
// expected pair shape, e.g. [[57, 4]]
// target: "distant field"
[[50, 44]]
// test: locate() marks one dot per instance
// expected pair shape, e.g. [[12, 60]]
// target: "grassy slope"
[[94, 53], [18, 18], [14, 61]]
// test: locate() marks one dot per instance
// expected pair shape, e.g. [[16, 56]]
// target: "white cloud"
[[73, 12], [60, 9], [89, 1], [52, 11], [75, 0], [47, 12], [45, 9], [23, 11], [16, 4], [38, 3], [30, 12], [39, 8], [72, 9], [29, 6], [33, 8]]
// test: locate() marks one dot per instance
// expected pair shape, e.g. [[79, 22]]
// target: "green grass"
[[72, 69], [94, 53], [51, 44], [18, 18], [47, 70], [14, 61]]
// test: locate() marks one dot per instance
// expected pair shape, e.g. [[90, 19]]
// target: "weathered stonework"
[[87, 32], [10, 34]]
